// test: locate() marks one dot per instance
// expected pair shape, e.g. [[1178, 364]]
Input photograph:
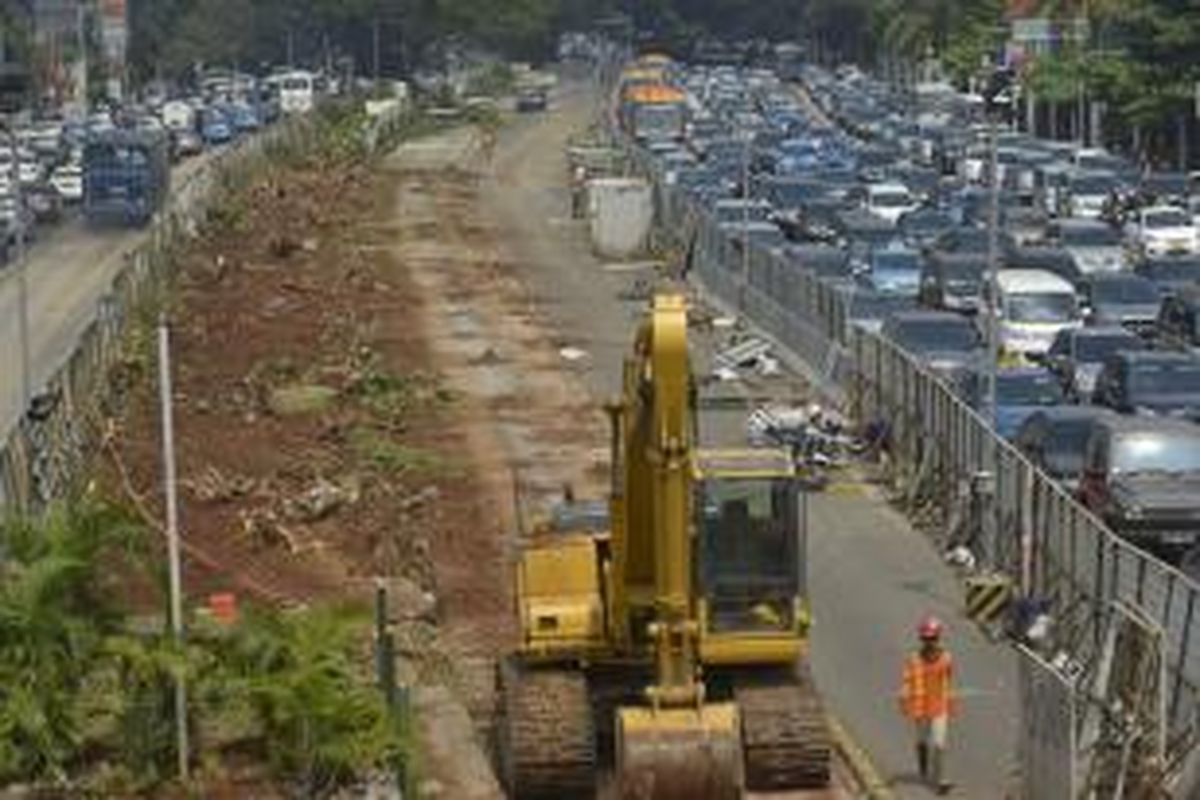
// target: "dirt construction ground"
[[388, 373]]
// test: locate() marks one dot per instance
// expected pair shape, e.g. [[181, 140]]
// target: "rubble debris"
[[214, 486], [572, 354], [322, 499]]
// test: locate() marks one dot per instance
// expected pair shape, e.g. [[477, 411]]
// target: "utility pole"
[[743, 288], [173, 565], [375, 48], [14, 166], [81, 42], [993, 267]]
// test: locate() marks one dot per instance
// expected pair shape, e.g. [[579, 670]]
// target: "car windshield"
[[1090, 236], [1028, 390], [1092, 185], [1064, 447], [901, 261], [895, 199], [1167, 218], [917, 222], [1040, 307], [1172, 271], [1166, 184], [1176, 377], [1124, 291], [1095, 349], [950, 335], [1152, 451], [872, 305]]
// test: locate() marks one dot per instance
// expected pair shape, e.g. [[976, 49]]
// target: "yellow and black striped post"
[[988, 597]]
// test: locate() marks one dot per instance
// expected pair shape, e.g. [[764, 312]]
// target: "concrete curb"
[[862, 769]]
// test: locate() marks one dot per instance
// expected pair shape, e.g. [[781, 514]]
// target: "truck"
[[653, 112], [126, 176]]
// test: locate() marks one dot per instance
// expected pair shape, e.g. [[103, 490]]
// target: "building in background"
[[114, 44]]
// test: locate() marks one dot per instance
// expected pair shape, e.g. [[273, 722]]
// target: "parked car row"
[[43, 170], [1098, 281]]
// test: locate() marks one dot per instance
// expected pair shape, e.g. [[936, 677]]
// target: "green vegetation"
[[1138, 57], [85, 689], [171, 36]]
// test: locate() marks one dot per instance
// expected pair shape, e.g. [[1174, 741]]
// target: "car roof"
[[1032, 280], [1189, 293], [1077, 223], [927, 315], [1072, 413], [1156, 357], [1118, 424], [1114, 277], [1096, 331]]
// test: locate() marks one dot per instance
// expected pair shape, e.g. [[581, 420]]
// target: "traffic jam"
[[885, 194]]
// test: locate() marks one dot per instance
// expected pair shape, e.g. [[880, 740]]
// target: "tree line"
[[1137, 60]]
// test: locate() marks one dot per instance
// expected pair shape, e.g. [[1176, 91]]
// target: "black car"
[[1120, 298], [972, 240], [1051, 258], [923, 226], [1055, 439], [1077, 355], [1151, 383], [1142, 477], [867, 309], [941, 339], [823, 260], [893, 270], [953, 282], [1170, 273], [1027, 226], [1177, 320]]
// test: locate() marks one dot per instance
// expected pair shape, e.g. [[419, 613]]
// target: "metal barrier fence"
[[47, 450], [1053, 548], [1048, 730]]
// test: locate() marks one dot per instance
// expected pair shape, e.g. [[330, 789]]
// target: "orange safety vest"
[[926, 692]]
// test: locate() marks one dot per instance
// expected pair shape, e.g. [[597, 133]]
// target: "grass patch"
[[384, 454]]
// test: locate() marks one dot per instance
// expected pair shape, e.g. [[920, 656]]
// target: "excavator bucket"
[[679, 753]]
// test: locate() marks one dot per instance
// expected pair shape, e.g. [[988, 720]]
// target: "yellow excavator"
[[668, 641]]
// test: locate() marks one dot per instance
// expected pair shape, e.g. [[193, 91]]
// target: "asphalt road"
[[68, 269], [872, 576]]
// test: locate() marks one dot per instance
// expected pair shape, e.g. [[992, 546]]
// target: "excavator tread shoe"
[[786, 742], [546, 739]]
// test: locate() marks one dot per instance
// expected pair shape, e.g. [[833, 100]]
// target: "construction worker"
[[927, 698]]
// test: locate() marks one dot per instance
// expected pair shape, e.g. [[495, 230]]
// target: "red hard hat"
[[929, 628]]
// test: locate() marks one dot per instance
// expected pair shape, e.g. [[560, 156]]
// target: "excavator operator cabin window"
[[747, 551]]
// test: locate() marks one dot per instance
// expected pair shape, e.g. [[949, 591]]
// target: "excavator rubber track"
[[785, 736], [546, 738]]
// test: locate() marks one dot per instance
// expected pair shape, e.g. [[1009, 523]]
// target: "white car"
[[1164, 231], [28, 168], [890, 201], [1035, 304], [67, 180]]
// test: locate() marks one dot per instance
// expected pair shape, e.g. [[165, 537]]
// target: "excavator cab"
[[750, 564]]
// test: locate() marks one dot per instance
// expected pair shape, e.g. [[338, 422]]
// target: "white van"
[[178, 115], [890, 201], [297, 92], [1034, 305]]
